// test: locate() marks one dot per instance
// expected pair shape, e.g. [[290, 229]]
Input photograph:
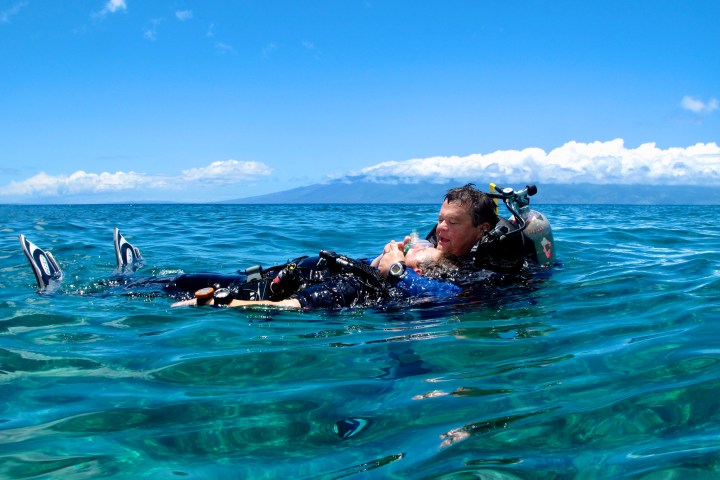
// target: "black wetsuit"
[[329, 281], [316, 282]]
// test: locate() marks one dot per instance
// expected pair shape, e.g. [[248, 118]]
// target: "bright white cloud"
[[115, 5], [598, 163], [112, 6], [696, 105], [228, 171], [78, 183], [183, 15], [605, 163]]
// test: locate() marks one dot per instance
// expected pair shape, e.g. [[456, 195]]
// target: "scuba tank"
[[539, 234], [532, 228]]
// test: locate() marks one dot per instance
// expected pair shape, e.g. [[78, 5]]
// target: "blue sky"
[[198, 101]]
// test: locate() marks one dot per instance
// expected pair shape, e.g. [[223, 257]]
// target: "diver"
[[328, 281], [333, 281], [469, 227]]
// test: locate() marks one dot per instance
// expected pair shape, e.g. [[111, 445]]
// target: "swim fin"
[[44, 266], [125, 254]]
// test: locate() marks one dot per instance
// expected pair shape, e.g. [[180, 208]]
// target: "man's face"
[[455, 231]]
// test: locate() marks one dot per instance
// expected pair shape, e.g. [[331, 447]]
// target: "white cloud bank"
[[82, 183], [598, 163], [595, 163]]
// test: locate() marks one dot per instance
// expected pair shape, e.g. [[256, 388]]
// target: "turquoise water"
[[610, 368]]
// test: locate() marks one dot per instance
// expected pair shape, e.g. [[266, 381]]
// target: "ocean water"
[[608, 368]]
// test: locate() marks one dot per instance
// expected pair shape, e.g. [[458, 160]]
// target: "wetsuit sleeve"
[[414, 285]]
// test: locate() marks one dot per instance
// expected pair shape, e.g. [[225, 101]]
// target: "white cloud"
[[605, 163], [79, 182], [228, 171], [183, 15], [11, 11], [696, 105], [598, 162], [217, 173], [112, 6]]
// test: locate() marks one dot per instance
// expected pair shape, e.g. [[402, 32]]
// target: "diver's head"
[[429, 261], [465, 215]]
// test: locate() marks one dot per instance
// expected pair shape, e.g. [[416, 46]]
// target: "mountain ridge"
[[364, 191]]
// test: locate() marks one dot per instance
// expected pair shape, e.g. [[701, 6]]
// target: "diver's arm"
[[414, 285], [287, 303]]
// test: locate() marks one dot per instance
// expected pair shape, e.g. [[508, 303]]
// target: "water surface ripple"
[[608, 368]]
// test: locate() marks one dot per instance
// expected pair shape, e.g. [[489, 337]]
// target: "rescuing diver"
[[472, 244], [469, 246]]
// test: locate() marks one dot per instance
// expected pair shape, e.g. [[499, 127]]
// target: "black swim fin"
[[44, 266], [126, 255]]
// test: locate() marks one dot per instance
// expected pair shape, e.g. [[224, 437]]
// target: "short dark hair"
[[480, 205]]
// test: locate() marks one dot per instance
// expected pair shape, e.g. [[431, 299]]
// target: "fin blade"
[[127, 256], [44, 266]]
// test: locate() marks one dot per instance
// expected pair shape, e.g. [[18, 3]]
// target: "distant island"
[[364, 191]]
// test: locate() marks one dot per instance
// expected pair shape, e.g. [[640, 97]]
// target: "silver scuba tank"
[[539, 231]]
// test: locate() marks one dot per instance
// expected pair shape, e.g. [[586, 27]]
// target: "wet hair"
[[481, 207], [439, 267]]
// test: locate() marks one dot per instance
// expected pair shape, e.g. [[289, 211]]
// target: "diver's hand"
[[188, 303], [390, 247], [393, 253]]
